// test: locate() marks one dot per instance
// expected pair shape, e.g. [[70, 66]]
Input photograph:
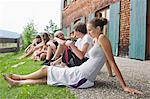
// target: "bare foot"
[[11, 81], [15, 76]]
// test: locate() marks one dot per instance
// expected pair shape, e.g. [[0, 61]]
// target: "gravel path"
[[136, 74]]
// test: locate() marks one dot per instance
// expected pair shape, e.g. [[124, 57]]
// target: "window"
[[104, 12], [65, 3], [68, 31], [91, 16]]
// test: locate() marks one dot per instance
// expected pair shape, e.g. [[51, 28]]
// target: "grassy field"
[[9, 64]]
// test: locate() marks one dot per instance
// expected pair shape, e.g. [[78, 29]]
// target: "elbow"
[[81, 57]]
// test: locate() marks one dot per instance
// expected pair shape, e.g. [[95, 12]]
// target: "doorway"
[[148, 31]]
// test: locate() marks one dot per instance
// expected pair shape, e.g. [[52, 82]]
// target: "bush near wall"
[[28, 32]]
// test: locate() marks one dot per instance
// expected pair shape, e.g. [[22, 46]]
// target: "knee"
[[44, 69], [61, 46], [42, 56]]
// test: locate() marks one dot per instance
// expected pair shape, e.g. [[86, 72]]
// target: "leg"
[[29, 52], [58, 52], [13, 82], [36, 55], [43, 56], [35, 75], [49, 53], [35, 58], [48, 56]]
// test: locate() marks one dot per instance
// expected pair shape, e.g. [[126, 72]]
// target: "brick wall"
[[124, 27], [80, 8]]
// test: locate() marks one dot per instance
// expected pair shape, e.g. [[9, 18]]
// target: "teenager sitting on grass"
[[53, 47], [35, 42], [30, 49], [40, 53], [59, 43], [82, 76]]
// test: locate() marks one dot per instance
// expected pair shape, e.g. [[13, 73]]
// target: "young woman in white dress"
[[82, 76]]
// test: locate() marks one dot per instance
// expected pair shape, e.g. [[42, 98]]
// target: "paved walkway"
[[136, 74]]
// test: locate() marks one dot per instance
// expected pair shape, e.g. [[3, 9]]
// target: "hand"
[[133, 91], [49, 42], [55, 38], [69, 43], [53, 63]]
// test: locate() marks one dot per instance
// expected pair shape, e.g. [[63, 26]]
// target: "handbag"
[[71, 59]]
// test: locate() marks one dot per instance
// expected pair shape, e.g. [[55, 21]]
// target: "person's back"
[[92, 66]]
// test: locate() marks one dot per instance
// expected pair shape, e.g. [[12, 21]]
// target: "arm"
[[109, 69], [105, 43], [44, 49], [60, 41], [79, 53], [38, 46], [28, 48], [56, 61]]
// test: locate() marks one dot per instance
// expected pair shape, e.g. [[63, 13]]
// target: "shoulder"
[[102, 39], [87, 38], [78, 40]]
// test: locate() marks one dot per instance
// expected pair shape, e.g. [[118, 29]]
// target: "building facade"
[[128, 23]]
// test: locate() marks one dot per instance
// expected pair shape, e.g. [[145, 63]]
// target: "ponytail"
[[98, 22]]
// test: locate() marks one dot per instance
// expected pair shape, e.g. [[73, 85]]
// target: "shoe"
[[46, 62]]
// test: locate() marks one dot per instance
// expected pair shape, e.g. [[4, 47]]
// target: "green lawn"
[[9, 64]]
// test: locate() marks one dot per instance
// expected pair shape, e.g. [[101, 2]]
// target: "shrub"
[[51, 28], [28, 32]]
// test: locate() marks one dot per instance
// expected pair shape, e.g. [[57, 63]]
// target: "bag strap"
[[66, 56]]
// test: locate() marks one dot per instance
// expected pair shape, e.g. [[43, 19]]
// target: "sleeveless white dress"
[[82, 76]]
